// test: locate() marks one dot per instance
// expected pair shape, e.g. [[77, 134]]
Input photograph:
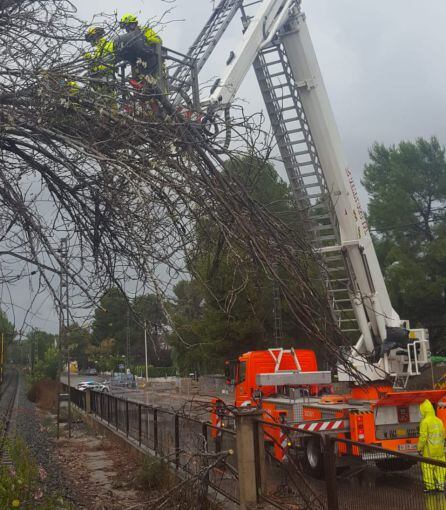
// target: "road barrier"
[[237, 465]]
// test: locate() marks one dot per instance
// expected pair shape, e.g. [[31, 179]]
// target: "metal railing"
[[182, 440], [345, 475], [353, 476]]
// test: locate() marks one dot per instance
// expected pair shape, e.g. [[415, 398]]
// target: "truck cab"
[[257, 375]]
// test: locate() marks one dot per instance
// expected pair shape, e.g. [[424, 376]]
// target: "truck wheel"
[[387, 465], [312, 460]]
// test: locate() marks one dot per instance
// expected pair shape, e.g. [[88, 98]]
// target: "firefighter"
[[129, 23], [146, 58], [431, 446], [102, 59]]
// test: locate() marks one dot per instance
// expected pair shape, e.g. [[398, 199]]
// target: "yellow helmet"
[[73, 88], [128, 19], [93, 33]]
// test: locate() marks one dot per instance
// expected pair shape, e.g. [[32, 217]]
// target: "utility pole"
[[3, 357], [145, 350], [128, 338], [64, 322]]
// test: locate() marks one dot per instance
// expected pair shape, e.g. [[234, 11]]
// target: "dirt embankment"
[[44, 394]]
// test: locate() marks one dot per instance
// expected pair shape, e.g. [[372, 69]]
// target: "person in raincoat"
[[431, 446]]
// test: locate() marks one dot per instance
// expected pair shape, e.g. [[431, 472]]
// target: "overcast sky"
[[383, 63]]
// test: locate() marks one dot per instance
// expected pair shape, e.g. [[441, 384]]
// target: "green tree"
[[226, 308], [407, 213], [37, 342], [148, 313], [8, 332], [79, 340], [48, 367], [110, 320], [118, 318]]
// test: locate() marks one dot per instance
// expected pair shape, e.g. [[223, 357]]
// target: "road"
[[165, 398]]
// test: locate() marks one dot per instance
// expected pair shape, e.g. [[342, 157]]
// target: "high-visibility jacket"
[[432, 433], [102, 57], [151, 36]]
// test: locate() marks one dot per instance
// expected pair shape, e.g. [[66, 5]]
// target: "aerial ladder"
[[287, 384], [277, 43]]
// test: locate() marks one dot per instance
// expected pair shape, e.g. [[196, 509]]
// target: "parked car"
[[92, 371], [91, 385]]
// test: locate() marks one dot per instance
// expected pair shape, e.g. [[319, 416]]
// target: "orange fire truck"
[[289, 388]]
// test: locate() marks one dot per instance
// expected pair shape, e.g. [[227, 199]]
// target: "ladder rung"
[[272, 63], [275, 75], [333, 259], [299, 153], [278, 99], [292, 119], [306, 163], [311, 185], [308, 174], [314, 195]]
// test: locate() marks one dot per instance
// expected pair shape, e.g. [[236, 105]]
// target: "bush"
[[44, 392], [46, 368], [154, 474]]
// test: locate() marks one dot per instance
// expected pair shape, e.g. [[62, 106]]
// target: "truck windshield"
[[241, 375]]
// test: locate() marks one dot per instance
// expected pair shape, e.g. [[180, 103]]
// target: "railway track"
[[8, 392]]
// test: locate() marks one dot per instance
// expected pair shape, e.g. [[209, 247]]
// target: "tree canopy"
[[131, 181], [227, 308], [119, 319], [407, 213]]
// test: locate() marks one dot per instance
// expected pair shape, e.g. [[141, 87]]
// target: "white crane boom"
[[277, 42]]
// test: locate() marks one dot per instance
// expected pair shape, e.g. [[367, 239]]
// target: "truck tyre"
[[313, 460], [396, 464]]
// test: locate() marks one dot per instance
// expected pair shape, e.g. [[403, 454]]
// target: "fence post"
[[108, 408], [139, 424], [127, 418], [88, 396], [259, 448], [155, 430], [177, 441], [116, 414], [330, 472], [247, 457], [204, 431]]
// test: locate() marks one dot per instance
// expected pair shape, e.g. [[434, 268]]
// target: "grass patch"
[[22, 484]]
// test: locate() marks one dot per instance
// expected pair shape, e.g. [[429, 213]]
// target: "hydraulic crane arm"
[[276, 41]]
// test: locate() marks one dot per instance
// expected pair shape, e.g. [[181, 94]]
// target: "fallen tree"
[[126, 185]]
